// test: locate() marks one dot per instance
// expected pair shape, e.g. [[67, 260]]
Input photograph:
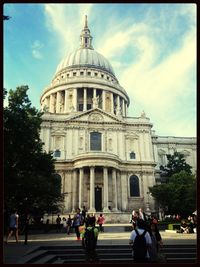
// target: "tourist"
[[64, 224], [184, 227], [100, 222], [77, 221], [134, 216], [89, 241], [69, 224], [142, 215], [58, 224], [13, 226], [140, 252], [156, 242], [84, 211]]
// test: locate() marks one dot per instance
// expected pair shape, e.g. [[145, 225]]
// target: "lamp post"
[[26, 227]]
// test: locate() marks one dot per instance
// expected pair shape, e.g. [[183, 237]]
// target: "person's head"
[[58, 215], [78, 210], [101, 215], [153, 227]]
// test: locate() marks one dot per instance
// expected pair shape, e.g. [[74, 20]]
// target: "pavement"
[[13, 252]]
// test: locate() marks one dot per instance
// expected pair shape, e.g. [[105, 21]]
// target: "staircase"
[[117, 254]]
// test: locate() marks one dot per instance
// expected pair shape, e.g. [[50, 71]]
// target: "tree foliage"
[[178, 196], [175, 164], [29, 175]]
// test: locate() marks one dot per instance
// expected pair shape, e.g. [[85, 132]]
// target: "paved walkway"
[[13, 252]]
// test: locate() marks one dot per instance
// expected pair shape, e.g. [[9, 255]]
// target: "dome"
[[84, 57]]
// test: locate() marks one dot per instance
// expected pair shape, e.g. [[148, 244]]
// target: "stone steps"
[[106, 254]]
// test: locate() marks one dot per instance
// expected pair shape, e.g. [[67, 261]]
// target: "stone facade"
[[106, 160]]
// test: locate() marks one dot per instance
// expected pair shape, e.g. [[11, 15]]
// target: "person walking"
[[77, 221], [140, 239], [100, 222], [13, 226], [69, 224], [84, 211], [156, 242], [58, 224]]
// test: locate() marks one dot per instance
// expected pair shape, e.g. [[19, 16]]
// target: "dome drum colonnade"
[[85, 80]]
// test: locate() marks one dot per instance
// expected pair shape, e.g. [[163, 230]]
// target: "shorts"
[[13, 229]]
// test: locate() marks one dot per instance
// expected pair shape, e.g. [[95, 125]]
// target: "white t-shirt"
[[147, 237]]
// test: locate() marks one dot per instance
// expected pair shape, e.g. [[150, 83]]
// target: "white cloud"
[[161, 75], [66, 20], [36, 49]]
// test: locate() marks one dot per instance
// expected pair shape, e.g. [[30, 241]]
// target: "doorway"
[[98, 198]]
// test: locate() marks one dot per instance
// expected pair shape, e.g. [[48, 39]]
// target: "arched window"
[[134, 186], [95, 141], [132, 155]]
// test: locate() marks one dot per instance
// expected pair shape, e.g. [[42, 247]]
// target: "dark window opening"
[[80, 107], [95, 141], [89, 106], [134, 186], [57, 153], [132, 155]]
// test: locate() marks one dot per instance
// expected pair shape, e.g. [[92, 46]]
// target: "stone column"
[[147, 146], [103, 100], [94, 93], [124, 191], [74, 191], [123, 107], [112, 103], [58, 100], [51, 103], [105, 184], [75, 99], [65, 103], [80, 187], [114, 181], [141, 141], [84, 99], [92, 208]]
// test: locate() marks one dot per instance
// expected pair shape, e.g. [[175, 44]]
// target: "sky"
[[151, 47]]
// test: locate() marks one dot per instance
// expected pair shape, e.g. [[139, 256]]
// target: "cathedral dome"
[[84, 57]]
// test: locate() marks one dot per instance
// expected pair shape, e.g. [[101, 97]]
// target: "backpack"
[[90, 239], [140, 247]]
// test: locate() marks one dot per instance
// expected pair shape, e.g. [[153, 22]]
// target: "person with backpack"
[[141, 241], [89, 240]]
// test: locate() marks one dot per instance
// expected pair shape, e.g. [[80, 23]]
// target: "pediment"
[[94, 116]]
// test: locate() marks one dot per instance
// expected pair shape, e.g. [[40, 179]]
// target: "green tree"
[[178, 195], [30, 181], [175, 164]]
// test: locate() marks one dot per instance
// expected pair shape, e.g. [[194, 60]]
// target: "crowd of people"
[[145, 238]]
